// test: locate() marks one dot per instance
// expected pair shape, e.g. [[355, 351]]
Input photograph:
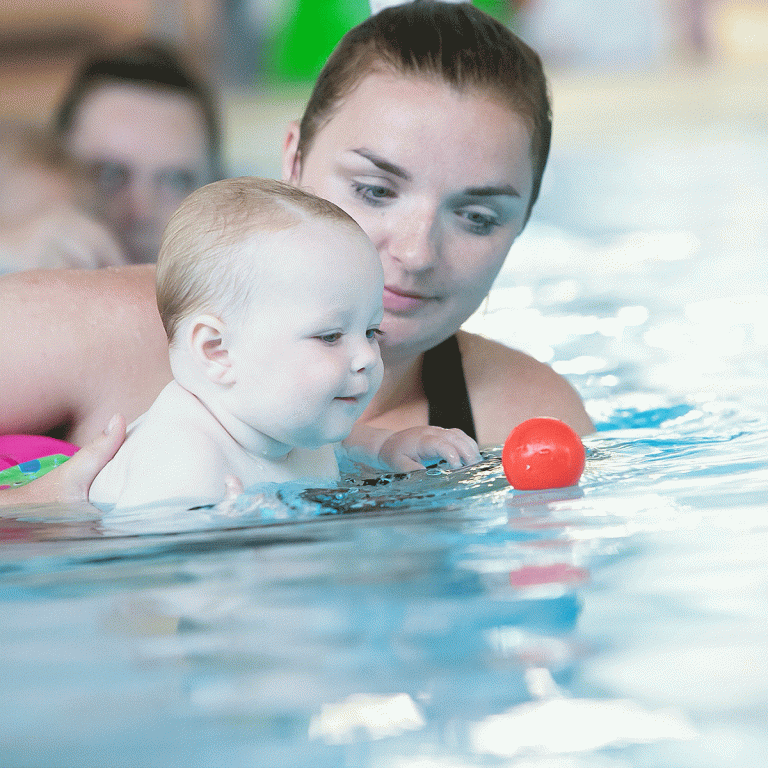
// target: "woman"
[[430, 125]]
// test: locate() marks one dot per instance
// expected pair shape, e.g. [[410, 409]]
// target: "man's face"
[[148, 149]]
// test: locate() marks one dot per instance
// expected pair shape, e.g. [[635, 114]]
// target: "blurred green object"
[[309, 30], [503, 10]]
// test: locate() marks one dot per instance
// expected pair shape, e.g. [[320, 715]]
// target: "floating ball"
[[542, 453]]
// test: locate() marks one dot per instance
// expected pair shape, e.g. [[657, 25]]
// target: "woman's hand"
[[409, 449], [71, 481]]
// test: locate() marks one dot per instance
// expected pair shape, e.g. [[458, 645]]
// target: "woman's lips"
[[396, 300]]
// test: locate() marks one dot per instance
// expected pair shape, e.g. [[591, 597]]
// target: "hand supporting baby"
[[69, 483]]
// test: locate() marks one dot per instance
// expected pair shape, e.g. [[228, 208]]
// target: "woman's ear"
[[291, 157], [209, 344]]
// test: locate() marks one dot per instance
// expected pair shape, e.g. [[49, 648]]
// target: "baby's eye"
[[372, 193], [330, 338], [373, 333]]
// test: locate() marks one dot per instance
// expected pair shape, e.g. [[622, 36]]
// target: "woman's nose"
[[413, 240]]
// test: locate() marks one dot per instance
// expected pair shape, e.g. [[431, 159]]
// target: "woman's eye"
[[372, 193], [330, 338], [479, 223], [373, 333]]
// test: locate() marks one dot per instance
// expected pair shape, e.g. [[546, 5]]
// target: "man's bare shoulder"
[[507, 386]]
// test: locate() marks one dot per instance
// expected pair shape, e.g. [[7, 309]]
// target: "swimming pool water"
[[444, 619]]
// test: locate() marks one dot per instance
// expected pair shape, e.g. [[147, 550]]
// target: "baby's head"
[[271, 299], [215, 249]]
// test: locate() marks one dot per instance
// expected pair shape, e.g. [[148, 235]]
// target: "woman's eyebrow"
[[505, 189], [383, 164]]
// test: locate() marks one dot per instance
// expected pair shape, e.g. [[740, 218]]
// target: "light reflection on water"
[[444, 619], [409, 634]]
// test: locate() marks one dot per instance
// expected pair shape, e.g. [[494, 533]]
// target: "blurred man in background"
[[150, 133]]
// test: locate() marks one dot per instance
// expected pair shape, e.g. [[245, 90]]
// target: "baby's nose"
[[365, 356]]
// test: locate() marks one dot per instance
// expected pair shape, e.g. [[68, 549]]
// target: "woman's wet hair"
[[457, 43], [147, 64], [202, 266]]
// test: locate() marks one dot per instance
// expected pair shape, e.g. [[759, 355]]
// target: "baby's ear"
[[208, 343]]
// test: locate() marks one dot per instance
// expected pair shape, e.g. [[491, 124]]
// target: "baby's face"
[[307, 351]]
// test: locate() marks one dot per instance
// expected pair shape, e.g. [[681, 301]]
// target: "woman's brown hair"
[[458, 43]]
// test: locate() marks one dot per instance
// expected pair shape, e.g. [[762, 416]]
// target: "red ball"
[[543, 453]]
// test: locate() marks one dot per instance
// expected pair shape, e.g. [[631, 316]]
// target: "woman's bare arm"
[[79, 346]]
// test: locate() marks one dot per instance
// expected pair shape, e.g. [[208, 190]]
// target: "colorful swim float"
[[24, 458]]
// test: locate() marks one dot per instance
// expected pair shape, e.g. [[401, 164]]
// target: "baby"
[[272, 300]]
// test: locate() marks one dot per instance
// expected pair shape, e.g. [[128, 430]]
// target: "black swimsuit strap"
[[442, 378]]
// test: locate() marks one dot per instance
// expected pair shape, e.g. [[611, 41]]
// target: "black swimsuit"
[[442, 378]]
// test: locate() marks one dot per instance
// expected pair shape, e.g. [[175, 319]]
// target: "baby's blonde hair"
[[201, 267]]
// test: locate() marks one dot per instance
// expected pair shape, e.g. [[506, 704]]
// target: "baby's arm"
[[409, 449]]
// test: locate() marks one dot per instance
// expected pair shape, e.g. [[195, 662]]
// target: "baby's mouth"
[[351, 398]]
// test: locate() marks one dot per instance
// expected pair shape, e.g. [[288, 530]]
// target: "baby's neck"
[[272, 461], [255, 443]]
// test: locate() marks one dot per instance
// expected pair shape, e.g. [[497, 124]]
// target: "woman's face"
[[439, 180]]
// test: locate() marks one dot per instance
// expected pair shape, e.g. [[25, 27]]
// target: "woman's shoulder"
[[507, 386]]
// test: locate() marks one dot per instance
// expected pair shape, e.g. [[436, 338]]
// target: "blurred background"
[[262, 54]]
